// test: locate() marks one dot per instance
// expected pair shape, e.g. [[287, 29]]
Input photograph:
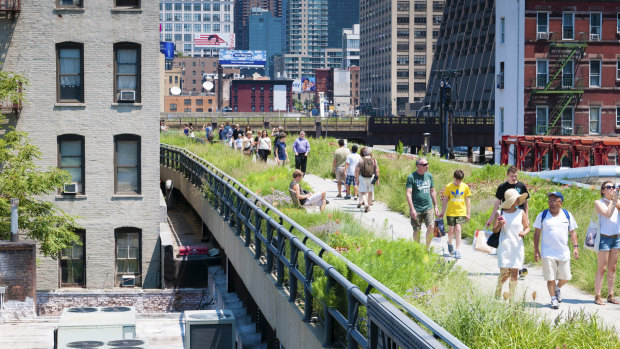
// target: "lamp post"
[[417, 114], [14, 220]]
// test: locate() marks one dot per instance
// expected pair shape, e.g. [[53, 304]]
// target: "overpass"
[[276, 260], [467, 131]]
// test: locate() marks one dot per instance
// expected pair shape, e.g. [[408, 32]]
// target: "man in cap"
[[551, 230]]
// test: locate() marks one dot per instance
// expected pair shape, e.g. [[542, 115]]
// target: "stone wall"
[[18, 275], [145, 301]]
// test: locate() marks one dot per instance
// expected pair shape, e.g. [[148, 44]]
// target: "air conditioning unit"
[[542, 36], [128, 281], [127, 95], [209, 329], [70, 188], [92, 327], [595, 37]]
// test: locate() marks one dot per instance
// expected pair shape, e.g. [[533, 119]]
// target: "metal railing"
[[249, 214]]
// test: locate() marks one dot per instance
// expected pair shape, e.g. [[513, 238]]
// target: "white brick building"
[[93, 109]]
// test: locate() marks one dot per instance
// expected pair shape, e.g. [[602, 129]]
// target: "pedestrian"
[[227, 128], [349, 168], [457, 201], [422, 200], [306, 198], [264, 146], [512, 224], [551, 230], [367, 175], [301, 147], [163, 128], [185, 130], [236, 131], [239, 142], [280, 151], [229, 138], [220, 134], [609, 247], [191, 131], [340, 157], [248, 143], [511, 183], [208, 132]]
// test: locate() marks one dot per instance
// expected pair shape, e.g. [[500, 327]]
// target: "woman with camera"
[[609, 247]]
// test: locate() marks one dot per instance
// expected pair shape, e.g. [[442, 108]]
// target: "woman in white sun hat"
[[512, 224]]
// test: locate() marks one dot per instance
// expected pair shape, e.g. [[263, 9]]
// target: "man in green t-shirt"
[[422, 200]]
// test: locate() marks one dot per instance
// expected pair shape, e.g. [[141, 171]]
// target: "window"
[[216, 28], [595, 73], [417, 6], [567, 74], [70, 72], [199, 101], [403, 6], [127, 164], [568, 26], [187, 101], [206, 17], [197, 28], [216, 18], [178, 6], [187, 27], [206, 7], [595, 25], [500, 76], [617, 116], [187, 17], [419, 60], [168, 27], [168, 6], [402, 87], [595, 120], [402, 60], [206, 28], [216, 7], [618, 23], [419, 86], [173, 107], [402, 33], [541, 120], [542, 22], [187, 37], [567, 121], [126, 72], [618, 70], [501, 120], [418, 20], [419, 34], [198, 110], [127, 3], [187, 7], [437, 19], [69, 3], [402, 73], [71, 158], [128, 256], [177, 18], [542, 73], [502, 30], [73, 264]]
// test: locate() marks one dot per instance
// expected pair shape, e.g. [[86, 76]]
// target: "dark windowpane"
[[128, 3], [69, 74], [73, 264]]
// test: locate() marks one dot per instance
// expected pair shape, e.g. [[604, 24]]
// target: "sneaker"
[[355, 198], [339, 195], [457, 255], [558, 294], [347, 197], [523, 273], [450, 249], [359, 205], [554, 303]]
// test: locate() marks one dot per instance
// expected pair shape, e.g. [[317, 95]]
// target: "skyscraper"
[[243, 11], [266, 35], [342, 14]]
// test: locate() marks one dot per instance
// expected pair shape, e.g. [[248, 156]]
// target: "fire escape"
[[559, 88], [9, 9]]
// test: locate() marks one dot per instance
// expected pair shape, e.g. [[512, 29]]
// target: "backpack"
[[544, 214], [368, 167]]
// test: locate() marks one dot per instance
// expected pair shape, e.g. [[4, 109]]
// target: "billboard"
[[279, 98], [308, 84], [297, 86], [214, 40], [243, 58], [167, 48]]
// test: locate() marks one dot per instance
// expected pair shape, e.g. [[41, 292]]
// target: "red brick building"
[[190, 104], [261, 96], [355, 87], [324, 82], [572, 67]]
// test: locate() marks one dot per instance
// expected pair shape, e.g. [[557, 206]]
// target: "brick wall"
[[51, 303], [18, 269]]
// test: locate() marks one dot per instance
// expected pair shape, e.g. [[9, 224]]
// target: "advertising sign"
[[297, 86], [214, 40], [167, 48], [243, 58], [307, 84], [279, 98]]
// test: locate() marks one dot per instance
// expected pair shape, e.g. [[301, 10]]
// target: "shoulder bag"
[[593, 234]]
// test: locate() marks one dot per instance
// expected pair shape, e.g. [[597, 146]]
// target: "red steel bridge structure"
[[530, 151]]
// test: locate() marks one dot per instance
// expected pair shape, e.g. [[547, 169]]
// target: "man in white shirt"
[[349, 167], [554, 225]]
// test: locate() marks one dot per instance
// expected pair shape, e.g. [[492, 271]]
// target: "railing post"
[[329, 320], [291, 275], [257, 242], [307, 288], [279, 263], [352, 317]]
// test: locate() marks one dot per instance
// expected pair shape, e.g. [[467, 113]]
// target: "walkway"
[[480, 266]]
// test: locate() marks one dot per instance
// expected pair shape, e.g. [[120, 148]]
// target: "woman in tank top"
[[609, 247]]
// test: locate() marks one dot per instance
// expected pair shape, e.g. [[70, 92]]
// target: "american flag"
[[211, 40]]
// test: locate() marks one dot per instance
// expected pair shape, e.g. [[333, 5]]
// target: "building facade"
[[342, 14], [397, 41], [182, 21], [204, 103], [243, 11], [324, 84], [266, 35], [351, 46], [355, 87], [93, 110], [194, 68], [342, 92], [261, 96]]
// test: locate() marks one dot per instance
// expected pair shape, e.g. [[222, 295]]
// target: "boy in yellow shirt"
[[456, 198]]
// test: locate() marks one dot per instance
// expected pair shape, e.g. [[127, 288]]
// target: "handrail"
[[227, 189]]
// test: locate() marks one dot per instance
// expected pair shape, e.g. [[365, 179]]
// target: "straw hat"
[[512, 195]]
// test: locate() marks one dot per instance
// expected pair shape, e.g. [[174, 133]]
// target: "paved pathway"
[[480, 266]]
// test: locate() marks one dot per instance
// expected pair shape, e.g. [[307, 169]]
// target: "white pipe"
[[14, 220], [580, 172]]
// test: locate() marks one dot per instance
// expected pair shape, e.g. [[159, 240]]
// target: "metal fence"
[[261, 225]]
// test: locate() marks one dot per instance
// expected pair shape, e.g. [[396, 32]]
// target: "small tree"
[[20, 178]]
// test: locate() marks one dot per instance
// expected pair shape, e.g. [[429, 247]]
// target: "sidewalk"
[[481, 267]]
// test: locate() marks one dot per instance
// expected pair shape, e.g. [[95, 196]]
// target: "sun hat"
[[512, 195], [556, 193]]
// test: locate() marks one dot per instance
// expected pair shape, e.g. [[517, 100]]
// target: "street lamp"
[[417, 114]]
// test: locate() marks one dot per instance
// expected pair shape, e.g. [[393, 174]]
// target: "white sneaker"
[[554, 303]]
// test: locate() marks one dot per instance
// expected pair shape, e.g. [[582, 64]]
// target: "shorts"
[[608, 243], [426, 217], [350, 180], [454, 220], [340, 174], [554, 269], [365, 186]]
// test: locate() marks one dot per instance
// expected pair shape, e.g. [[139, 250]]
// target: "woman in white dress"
[[512, 224]]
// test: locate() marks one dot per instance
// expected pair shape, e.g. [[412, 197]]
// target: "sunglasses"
[[611, 187], [426, 164]]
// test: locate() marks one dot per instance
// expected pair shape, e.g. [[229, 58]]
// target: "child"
[[457, 199]]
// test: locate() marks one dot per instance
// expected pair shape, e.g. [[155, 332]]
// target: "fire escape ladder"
[[557, 112]]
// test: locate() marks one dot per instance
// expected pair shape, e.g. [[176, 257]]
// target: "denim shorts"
[[607, 243]]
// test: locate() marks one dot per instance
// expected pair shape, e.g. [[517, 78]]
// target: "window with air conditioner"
[[71, 159], [127, 72], [128, 256], [568, 25], [595, 120], [72, 263], [595, 73], [595, 26], [541, 120]]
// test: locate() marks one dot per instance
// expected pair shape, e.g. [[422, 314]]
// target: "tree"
[[21, 179]]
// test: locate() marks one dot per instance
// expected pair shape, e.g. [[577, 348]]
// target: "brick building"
[[190, 104], [193, 68], [261, 95], [93, 110], [324, 82], [355, 87]]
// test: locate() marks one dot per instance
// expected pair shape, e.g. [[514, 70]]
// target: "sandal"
[[367, 208], [359, 205], [598, 300], [611, 299]]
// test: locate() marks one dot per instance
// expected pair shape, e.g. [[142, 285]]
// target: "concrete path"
[[481, 267]]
